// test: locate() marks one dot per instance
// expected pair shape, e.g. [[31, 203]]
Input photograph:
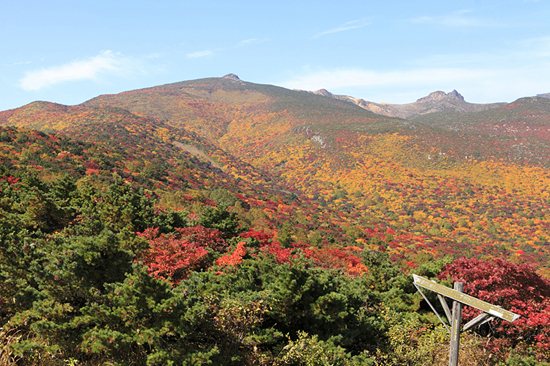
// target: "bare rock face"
[[439, 96], [322, 92], [545, 95], [231, 76], [455, 94], [437, 101], [433, 97]]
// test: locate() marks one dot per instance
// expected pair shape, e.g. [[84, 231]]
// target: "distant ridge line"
[[437, 101]]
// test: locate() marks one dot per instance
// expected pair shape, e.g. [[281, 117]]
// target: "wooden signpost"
[[489, 311]]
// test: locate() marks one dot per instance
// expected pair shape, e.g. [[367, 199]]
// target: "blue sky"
[[393, 51]]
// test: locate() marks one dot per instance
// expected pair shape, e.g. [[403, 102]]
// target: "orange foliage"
[[234, 258]]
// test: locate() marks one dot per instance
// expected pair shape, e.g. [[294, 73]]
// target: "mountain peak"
[[440, 95], [322, 92], [231, 77], [437, 101], [455, 94]]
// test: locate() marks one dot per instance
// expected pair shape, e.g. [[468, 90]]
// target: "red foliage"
[[336, 258], [515, 287], [233, 258], [261, 237], [9, 179], [329, 258], [175, 255], [283, 255], [265, 242]]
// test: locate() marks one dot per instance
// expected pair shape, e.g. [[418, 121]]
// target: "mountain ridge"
[[436, 101]]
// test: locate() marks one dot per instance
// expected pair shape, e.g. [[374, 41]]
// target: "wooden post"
[[455, 330], [460, 298]]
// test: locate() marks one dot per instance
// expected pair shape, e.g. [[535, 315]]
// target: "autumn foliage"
[[230, 223], [233, 258], [515, 287], [174, 256]]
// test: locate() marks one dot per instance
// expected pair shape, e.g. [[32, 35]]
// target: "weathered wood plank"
[[465, 299]]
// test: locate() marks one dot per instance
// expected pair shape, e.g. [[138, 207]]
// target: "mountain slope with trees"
[[224, 222], [443, 180]]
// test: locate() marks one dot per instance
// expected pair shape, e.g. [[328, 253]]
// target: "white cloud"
[[199, 54], [479, 85], [360, 77], [246, 42], [457, 19], [354, 24], [533, 51], [18, 63], [498, 76], [105, 62]]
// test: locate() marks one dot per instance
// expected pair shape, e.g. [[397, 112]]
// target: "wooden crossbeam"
[[490, 309]]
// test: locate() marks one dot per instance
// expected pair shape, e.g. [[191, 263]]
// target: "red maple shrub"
[[174, 255], [233, 258], [327, 258], [514, 287]]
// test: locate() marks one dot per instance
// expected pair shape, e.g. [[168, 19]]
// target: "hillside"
[[442, 186], [438, 185], [214, 107], [251, 219], [518, 132], [179, 166]]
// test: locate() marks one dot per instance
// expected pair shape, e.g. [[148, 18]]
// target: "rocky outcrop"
[[439, 96], [322, 92], [233, 77], [437, 101]]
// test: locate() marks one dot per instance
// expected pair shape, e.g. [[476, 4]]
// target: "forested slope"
[[464, 184], [223, 222]]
